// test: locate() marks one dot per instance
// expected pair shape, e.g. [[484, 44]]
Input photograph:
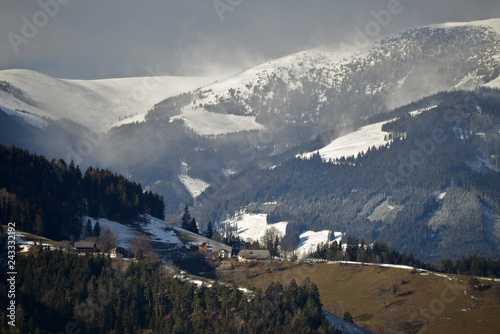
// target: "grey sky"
[[113, 38]]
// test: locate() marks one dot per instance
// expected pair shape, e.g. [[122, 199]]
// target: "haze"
[[118, 38]]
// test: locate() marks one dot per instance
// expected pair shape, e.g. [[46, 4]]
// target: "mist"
[[95, 39]]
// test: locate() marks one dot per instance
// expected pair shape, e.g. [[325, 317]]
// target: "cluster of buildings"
[[82, 247], [245, 255], [221, 252]]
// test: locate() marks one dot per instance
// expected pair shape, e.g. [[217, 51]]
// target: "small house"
[[118, 252], [252, 255], [223, 252], [203, 248], [85, 247]]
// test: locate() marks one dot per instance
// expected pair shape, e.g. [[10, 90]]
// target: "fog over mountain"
[[93, 40], [267, 89]]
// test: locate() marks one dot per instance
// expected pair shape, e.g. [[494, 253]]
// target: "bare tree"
[[141, 247], [271, 240], [108, 239], [140, 243]]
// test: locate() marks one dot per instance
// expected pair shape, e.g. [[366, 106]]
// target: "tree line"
[[381, 252]]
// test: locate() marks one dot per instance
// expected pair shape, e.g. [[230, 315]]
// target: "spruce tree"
[[88, 229], [210, 230], [186, 219], [97, 229], [193, 227]]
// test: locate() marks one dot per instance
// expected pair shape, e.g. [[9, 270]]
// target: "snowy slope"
[[329, 80], [208, 123], [193, 185], [157, 229], [96, 104], [356, 142], [253, 226], [494, 24], [310, 240]]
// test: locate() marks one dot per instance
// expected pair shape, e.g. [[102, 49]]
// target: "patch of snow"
[[253, 226], [495, 83], [207, 123], [419, 111], [160, 231], [156, 228], [194, 186], [440, 196], [310, 240], [123, 233], [482, 164], [356, 142], [28, 117]]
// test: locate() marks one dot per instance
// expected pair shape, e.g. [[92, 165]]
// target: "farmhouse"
[[118, 252], [85, 247], [204, 248], [251, 255], [223, 252]]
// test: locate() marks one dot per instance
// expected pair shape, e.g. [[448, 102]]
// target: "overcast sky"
[[92, 39]]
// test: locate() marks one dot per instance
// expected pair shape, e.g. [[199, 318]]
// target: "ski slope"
[[350, 145], [96, 104]]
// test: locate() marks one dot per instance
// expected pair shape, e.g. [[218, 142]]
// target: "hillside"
[[252, 119], [233, 143], [96, 104], [427, 303], [248, 121], [432, 191]]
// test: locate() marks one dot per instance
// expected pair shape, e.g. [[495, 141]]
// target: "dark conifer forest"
[[49, 198], [88, 294], [390, 193]]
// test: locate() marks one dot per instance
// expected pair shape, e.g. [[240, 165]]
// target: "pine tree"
[[88, 229], [186, 218], [97, 229], [348, 317], [210, 230], [193, 227]]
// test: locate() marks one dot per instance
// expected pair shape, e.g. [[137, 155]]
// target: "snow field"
[[353, 143], [96, 104], [310, 240], [155, 228], [208, 123], [194, 186], [253, 226]]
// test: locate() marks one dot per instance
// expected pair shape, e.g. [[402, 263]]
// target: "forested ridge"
[[90, 294], [392, 193], [50, 198]]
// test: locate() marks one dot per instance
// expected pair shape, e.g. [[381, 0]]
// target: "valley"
[[330, 183]]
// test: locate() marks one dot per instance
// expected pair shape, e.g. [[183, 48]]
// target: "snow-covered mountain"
[[95, 104], [337, 84], [254, 119]]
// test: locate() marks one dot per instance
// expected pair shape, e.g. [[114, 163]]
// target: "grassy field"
[[387, 300]]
